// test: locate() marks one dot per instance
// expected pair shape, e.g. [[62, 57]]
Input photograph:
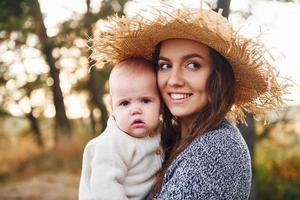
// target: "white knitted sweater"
[[118, 166]]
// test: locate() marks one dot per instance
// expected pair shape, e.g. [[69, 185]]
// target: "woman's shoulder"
[[226, 133], [215, 165], [224, 141]]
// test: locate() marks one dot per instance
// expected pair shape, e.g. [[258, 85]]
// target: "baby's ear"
[[109, 104], [113, 113]]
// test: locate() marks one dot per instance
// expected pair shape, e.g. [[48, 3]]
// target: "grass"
[[24, 159]]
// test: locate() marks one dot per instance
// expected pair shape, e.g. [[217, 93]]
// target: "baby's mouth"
[[138, 123]]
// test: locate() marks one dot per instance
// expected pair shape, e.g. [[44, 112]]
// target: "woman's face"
[[183, 70]]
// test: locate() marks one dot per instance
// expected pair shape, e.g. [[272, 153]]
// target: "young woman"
[[206, 157], [208, 76]]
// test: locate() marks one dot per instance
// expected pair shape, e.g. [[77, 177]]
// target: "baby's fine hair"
[[131, 67]]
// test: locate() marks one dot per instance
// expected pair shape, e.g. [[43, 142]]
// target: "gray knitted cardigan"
[[216, 165]]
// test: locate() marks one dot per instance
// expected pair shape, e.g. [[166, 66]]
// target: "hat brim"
[[256, 88]]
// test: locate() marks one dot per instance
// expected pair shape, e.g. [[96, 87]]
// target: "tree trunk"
[[62, 124], [92, 120], [247, 132], [98, 102], [223, 4], [95, 99], [35, 128]]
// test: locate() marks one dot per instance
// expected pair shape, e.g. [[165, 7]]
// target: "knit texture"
[[117, 166], [216, 165]]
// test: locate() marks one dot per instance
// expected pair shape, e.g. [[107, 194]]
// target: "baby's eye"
[[124, 103], [145, 100], [164, 66], [193, 65]]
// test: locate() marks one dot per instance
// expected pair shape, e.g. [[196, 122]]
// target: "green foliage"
[[280, 181], [3, 112], [101, 78], [15, 14], [277, 169]]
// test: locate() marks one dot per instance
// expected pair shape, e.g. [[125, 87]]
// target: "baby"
[[122, 161]]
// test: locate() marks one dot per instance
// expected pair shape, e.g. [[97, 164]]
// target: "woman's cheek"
[[161, 81]]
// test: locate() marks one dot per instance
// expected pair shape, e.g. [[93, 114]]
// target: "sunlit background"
[[45, 125]]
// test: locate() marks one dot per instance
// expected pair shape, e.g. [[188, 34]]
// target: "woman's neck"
[[186, 124]]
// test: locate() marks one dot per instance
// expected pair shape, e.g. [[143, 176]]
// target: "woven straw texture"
[[257, 88]]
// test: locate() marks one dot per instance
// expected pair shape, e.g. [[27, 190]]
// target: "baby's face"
[[136, 104]]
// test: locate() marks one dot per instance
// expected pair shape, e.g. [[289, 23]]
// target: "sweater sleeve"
[[108, 173], [105, 164], [215, 167], [84, 185]]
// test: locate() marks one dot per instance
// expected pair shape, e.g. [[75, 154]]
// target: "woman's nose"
[[175, 78]]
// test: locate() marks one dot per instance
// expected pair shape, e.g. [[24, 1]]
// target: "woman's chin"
[[180, 112]]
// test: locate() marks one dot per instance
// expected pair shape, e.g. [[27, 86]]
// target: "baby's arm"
[[108, 172], [84, 186], [105, 162]]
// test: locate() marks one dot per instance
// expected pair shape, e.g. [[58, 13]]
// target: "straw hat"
[[257, 88]]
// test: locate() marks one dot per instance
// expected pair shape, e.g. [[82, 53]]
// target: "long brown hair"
[[220, 89]]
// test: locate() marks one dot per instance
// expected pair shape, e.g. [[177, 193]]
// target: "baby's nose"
[[136, 110]]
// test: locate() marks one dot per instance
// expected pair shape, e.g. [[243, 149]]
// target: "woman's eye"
[[164, 66], [145, 100], [124, 103], [193, 65]]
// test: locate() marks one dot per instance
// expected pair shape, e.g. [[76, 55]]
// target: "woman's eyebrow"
[[163, 58], [193, 55]]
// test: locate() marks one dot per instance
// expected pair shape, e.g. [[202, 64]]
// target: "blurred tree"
[[62, 122], [248, 131], [97, 87], [25, 17], [3, 69], [224, 5], [24, 96], [96, 90], [97, 78], [29, 87]]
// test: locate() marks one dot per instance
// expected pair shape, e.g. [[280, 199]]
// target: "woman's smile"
[[175, 97]]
